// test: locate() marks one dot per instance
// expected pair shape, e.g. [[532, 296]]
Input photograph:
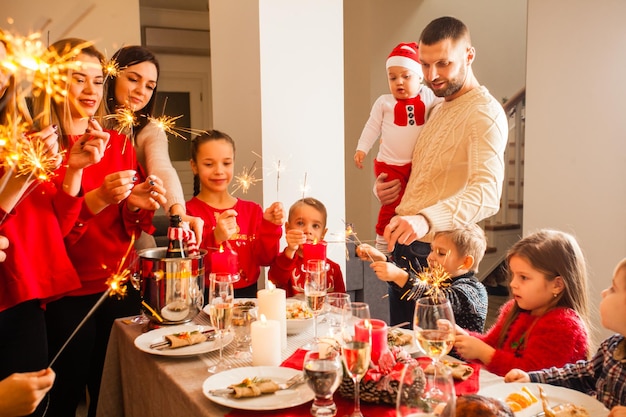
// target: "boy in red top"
[[306, 224]]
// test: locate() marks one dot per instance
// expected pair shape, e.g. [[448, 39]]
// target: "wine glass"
[[415, 392], [243, 316], [221, 303], [315, 290], [335, 302], [322, 373], [356, 347], [434, 327]]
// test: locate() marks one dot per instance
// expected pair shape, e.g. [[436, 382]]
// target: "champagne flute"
[[434, 327], [335, 302], [415, 396], [315, 290], [323, 372], [356, 347], [221, 303]]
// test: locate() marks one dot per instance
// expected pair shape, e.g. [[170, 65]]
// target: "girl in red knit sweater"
[[545, 324]]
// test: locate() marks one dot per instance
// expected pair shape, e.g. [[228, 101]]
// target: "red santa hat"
[[405, 55]]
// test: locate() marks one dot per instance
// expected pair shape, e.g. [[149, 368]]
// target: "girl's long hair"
[[554, 253]]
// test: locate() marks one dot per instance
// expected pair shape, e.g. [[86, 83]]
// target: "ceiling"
[[192, 5]]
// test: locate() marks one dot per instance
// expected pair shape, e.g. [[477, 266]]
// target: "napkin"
[[344, 406], [469, 386]]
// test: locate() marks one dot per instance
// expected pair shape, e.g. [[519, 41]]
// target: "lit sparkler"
[[168, 125], [351, 235], [435, 278], [125, 119], [116, 287], [246, 179]]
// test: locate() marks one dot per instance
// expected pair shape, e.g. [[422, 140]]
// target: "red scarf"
[[409, 111]]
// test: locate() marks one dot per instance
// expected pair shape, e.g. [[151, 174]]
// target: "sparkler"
[[246, 179], [125, 119], [116, 288], [168, 125], [350, 233], [304, 187], [435, 277]]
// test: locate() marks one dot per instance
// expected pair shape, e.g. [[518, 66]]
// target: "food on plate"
[[253, 387], [249, 303], [561, 410], [474, 405], [181, 339], [459, 370], [399, 338], [520, 399], [298, 310]]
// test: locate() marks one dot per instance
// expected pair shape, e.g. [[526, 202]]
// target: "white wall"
[[575, 167], [109, 24]]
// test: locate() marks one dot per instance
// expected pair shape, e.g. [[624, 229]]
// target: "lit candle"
[[314, 251], [272, 302], [379, 336], [224, 261], [265, 340]]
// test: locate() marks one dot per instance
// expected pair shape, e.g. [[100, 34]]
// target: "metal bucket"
[[172, 289]]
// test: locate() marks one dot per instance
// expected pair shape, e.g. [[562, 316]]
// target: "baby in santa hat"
[[396, 120]]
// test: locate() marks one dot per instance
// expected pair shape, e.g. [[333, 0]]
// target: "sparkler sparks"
[[435, 277], [246, 179], [168, 125], [125, 119]]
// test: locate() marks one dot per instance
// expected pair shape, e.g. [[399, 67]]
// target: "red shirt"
[[97, 243], [284, 273], [37, 264], [256, 242]]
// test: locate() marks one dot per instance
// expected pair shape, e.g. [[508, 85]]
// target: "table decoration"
[[314, 251], [378, 329], [225, 261], [272, 302], [265, 336]]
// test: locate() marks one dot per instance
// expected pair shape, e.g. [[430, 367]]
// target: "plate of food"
[[527, 401], [404, 338], [182, 340], [299, 317], [255, 396]]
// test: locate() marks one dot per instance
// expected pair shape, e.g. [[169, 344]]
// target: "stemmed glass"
[[323, 372], [434, 331], [335, 302], [315, 290], [221, 303], [415, 396], [356, 347]]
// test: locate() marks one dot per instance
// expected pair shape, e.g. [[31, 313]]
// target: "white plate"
[[556, 395], [281, 399], [237, 301], [411, 348], [143, 342]]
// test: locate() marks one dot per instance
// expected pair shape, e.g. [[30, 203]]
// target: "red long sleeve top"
[[285, 272], [256, 241], [556, 338], [97, 243], [37, 265]]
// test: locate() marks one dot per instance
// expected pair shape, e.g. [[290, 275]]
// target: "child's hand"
[[516, 375], [386, 271], [275, 214], [367, 252], [149, 195], [470, 348], [226, 225], [294, 238], [359, 156], [618, 411]]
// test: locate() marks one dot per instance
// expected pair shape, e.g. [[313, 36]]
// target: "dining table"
[[136, 383]]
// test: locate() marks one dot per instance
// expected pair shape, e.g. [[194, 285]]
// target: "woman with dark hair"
[[135, 87]]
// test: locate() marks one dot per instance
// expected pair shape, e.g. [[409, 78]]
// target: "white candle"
[[272, 302], [265, 342]]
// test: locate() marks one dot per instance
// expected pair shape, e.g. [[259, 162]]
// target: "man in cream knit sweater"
[[458, 157]]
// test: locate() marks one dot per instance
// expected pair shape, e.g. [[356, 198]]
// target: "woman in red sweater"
[[545, 324], [119, 203]]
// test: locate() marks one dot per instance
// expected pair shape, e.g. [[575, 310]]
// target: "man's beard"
[[453, 85]]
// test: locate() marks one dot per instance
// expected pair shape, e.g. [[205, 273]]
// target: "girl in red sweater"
[[545, 324], [251, 232]]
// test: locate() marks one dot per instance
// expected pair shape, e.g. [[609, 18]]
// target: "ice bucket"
[[172, 289]]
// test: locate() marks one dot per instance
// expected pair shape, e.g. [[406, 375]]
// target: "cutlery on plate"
[[210, 335], [290, 383], [397, 326]]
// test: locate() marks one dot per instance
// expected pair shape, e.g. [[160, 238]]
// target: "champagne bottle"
[[176, 246]]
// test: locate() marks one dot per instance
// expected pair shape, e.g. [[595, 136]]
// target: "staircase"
[[505, 227]]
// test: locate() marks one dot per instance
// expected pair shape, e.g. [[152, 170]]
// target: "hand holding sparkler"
[[367, 252], [390, 272], [115, 188], [294, 238], [225, 225], [89, 148], [275, 214], [149, 195]]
